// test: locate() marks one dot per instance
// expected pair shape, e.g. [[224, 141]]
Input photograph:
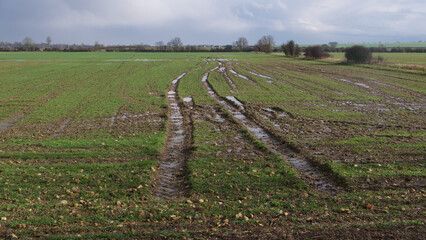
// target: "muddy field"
[[210, 146]]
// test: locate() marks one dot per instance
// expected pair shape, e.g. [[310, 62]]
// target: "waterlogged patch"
[[137, 60], [234, 100], [239, 75], [260, 75], [310, 173], [187, 99]]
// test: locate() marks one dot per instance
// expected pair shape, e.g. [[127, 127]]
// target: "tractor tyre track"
[[171, 178], [308, 172]]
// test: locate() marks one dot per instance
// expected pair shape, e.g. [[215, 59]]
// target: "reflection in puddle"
[[169, 182], [187, 99], [260, 75], [234, 100], [239, 75]]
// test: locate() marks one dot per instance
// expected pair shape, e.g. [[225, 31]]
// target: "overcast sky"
[[212, 21]]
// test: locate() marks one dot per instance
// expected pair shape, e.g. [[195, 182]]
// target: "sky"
[[217, 22]]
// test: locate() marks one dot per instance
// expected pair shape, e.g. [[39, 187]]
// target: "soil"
[[171, 179], [309, 173]]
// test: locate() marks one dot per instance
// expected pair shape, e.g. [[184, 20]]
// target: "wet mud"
[[309, 173], [7, 123], [171, 180], [222, 70]]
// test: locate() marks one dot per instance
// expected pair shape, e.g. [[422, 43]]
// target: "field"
[[203, 145], [389, 45], [395, 58]]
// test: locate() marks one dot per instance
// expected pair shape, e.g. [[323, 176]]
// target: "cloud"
[[203, 21]]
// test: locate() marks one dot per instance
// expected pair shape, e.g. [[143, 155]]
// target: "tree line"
[[265, 44]]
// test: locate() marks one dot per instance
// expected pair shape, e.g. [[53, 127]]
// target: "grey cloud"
[[211, 21]]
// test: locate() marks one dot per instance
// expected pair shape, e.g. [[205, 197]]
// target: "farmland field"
[[207, 145], [395, 58]]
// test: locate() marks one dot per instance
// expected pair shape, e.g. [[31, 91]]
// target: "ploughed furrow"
[[309, 173], [171, 180]]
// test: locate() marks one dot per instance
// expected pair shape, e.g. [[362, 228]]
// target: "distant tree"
[[97, 46], [333, 44], [358, 54], [160, 46], [315, 52], [228, 48], [241, 43], [175, 44], [291, 49], [49, 41], [265, 44], [28, 44], [326, 48]]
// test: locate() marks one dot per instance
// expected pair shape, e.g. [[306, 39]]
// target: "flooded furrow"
[[222, 70], [7, 123], [269, 79], [171, 175], [231, 70], [309, 173], [60, 130]]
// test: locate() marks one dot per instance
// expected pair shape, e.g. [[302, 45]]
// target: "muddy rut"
[[309, 173], [171, 179]]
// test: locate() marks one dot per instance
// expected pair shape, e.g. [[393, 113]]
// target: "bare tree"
[[28, 44], [265, 44], [48, 40], [176, 44], [160, 46], [97, 46], [241, 43]]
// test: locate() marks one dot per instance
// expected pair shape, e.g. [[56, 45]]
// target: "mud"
[[309, 173], [60, 130], [6, 124], [222, 70], [171, 180], [239, 75]]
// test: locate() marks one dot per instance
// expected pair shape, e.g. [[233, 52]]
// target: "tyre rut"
[[171, 179], [309, 173]]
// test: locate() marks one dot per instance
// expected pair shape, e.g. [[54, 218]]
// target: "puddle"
[[362, 85], [176, 80], [61, 129], [239, 75], [309, 173], [6, 124], [151, 60], [14, 60], [233, 99], [349, 81], [171, 179], [137, 60], [222, 70], [219, 118], [260, 75], [187, 99], [113, 119]]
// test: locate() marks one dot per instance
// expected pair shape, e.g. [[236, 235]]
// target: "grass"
[[400, 58], [82, 160]]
